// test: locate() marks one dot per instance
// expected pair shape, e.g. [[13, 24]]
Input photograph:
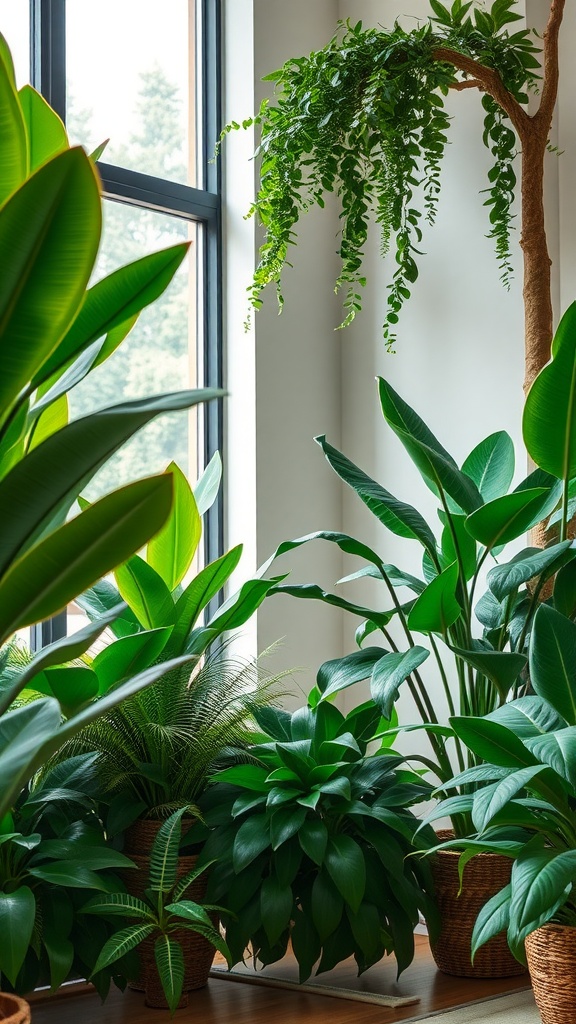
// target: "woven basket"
[[551, 954], [13, 1010], [484, 876], [198, 952]]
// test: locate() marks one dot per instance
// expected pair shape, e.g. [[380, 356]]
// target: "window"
[[150, 84]]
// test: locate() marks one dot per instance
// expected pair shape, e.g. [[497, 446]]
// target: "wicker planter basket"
[[13, 1010], [484, 876], [198, 952], [551, 954]]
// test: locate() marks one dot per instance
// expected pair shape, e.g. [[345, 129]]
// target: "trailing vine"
[[365, 118]]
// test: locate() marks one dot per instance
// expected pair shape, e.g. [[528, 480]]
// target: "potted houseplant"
[[310, 837], [166, 919]]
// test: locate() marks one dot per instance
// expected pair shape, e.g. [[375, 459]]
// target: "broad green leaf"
[[390, 672], [504, 519], [312, 592], [340, 673], [501, 667], [400, 518], [49, 235], [191, 912], [549, 422], [171, 551], [345, 864], [22, 734], [146, 593], [56, 471], [118, 903], [553, 661], [493, 918], [127, 656], [70, 559], [489, 800], [504, 579], [436, 465], [54, 418], [492, 742], [249, 776], [238, 608], [121, 943], [491, 465], [565, 590], [540, 882], [206, 490], [46, 133], [276, 906], [13, 141], [313, 838], [528, 716], [72, 686], [169, 958], [199, 593], [558, 750], [348, 544], [73, 875], [457, 545], [437, 608], [113, 301], [305, 944], [327, 905], [251, 839], [6, 60], [17, 916], [274, 722]]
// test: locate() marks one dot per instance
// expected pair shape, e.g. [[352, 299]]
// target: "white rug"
[[516, 1008]]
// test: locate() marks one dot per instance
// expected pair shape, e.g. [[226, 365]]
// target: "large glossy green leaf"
[[327, 905], [112, 302], [13, 142], [501, 667], [491, 465], [345, 864], [312, 592], [146, 593], [558, 750], [276, 906], [71, 685], [549, 422], [238, 608], [70, 559], [17, 915], [339, 673], [457, 544], [22, 734], [313, 838], [127, 656], [493, 918], [49, 235], [46, 133], [553, 661], [400, 518], [390, 672], [436, 465], [51, 476], [171, 551], [565, 590], [504, 519], [437, 608], [489, 800], [503, 579], [540, 879], [198, 593], [528, 716], [251, 839], [492, 742]]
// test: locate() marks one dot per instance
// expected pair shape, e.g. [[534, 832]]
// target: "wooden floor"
[[227, 1001]]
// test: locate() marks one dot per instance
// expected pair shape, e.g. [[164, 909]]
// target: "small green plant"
[[163, 911], [310, 838]]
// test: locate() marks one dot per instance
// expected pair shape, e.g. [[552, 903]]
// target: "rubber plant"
[[53, 330], [311, 838], [479, 647], [365, 118]]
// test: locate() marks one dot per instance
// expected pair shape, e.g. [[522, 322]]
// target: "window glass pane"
[[159, 355], [134, 83], [15, 27]]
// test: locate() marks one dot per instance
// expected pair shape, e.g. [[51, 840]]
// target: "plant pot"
[[198, 952], [13, 1010], [484, 876], [551, 955]]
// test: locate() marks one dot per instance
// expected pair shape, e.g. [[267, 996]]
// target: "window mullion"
[[48, 51]]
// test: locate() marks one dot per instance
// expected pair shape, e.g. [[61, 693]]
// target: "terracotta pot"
[[484, 876], [551, 955], [198, 952], [13, 1010]]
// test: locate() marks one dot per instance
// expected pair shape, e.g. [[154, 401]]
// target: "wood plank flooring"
[[224, 1002]]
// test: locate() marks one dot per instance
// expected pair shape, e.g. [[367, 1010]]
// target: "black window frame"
[[120, 184]]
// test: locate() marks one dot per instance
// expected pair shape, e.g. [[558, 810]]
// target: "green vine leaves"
[[365, 118]]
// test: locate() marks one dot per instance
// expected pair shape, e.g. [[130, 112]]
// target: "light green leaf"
[[146, 593], [541, 881], [127, 656], [489, 800], [206, 490], [491, 465], [169, 958], [549, 422], [165, 850], [506, 518], [558, 750], [46, 133], [171, 551], [437, 608], [13, 141], [199, 593]]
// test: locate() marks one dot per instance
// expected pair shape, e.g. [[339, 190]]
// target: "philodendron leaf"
[[127, 656], [46, 133], [553, 661], [549, 422], [501, 667], [437, 608], [491, 465], [528, 716], [503, 579], [492, 742], [541, 882], [398, 517], [504, 519], [171, 551], [558, 750], [17, 916], [340, 673], [390, 672]]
